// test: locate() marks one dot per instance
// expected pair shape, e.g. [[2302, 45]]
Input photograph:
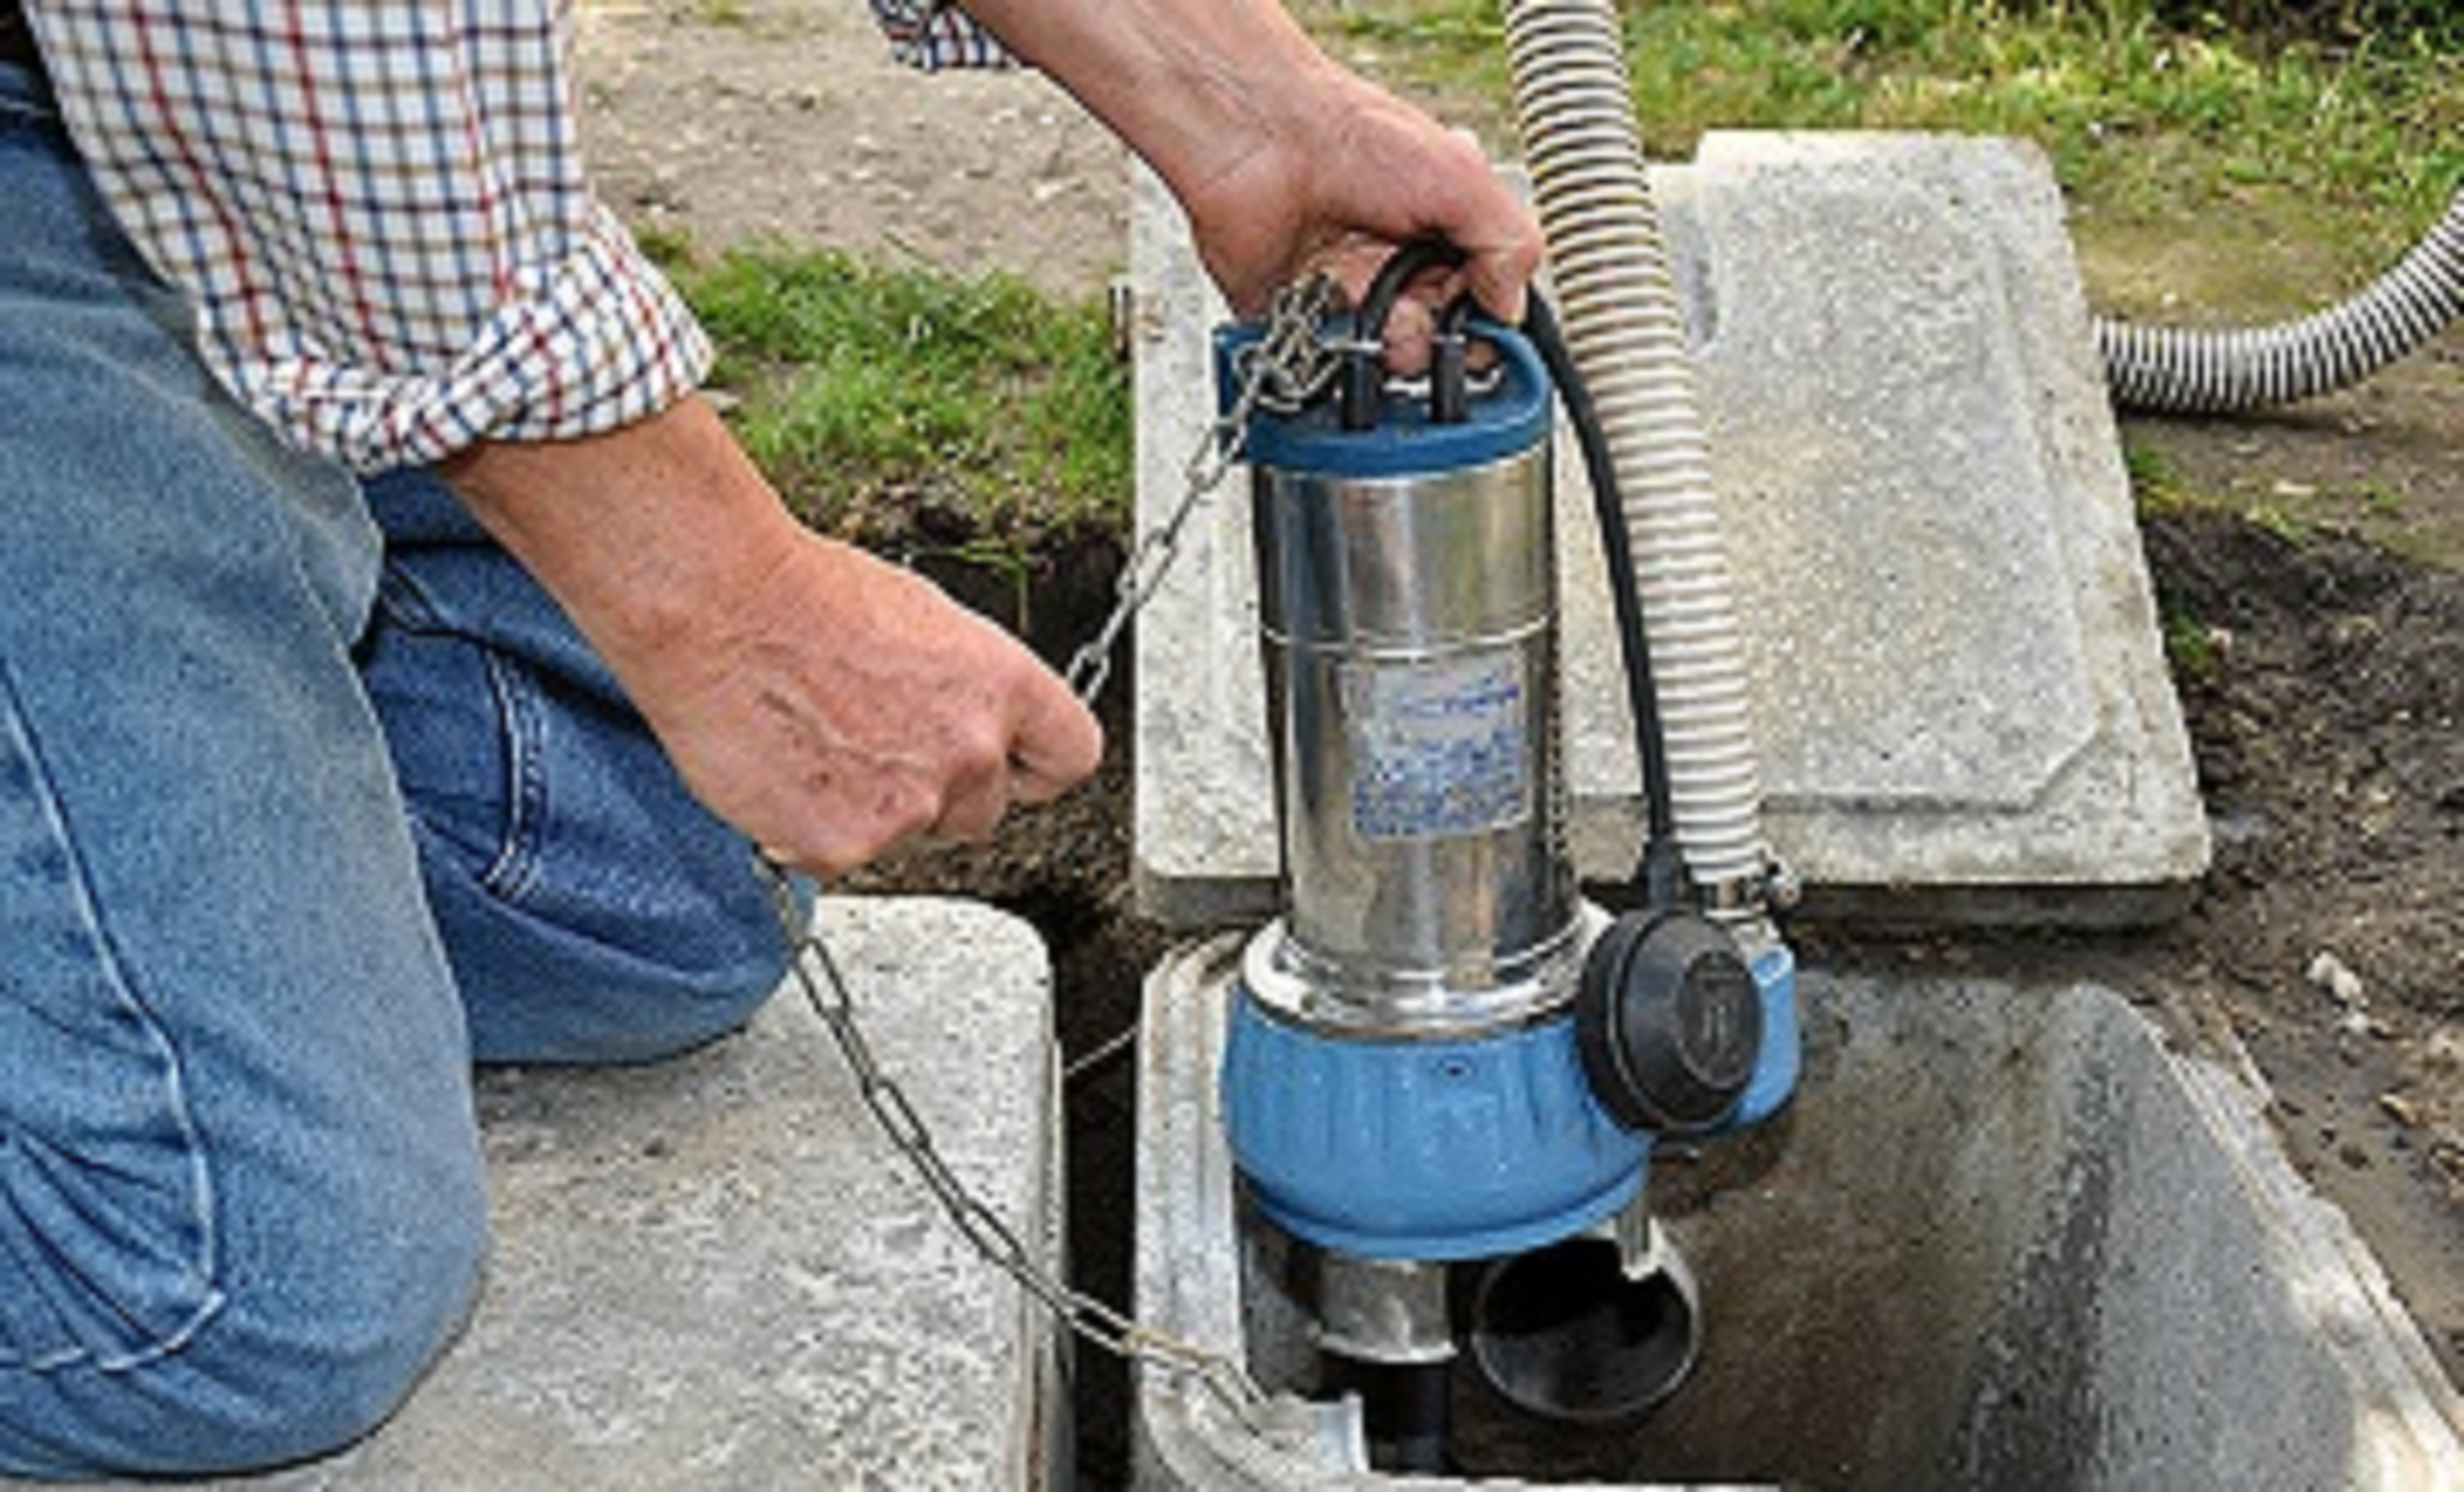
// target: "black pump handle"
[[1364, 379]]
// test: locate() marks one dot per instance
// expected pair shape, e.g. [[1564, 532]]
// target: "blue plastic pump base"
[[1450, 1150], [1782, 1057], [1434, 1150]]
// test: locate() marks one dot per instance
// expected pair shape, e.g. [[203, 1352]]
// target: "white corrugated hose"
[[1626, 330]]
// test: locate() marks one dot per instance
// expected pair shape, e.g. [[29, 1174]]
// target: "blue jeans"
[[308, 798]]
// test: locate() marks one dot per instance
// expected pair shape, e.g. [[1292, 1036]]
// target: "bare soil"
[[2317, 596]]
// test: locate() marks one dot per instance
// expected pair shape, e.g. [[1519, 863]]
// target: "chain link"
[[1282, 372], [1288, 366], [825, 989]]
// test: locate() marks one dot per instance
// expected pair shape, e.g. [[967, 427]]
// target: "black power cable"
[[1662, 876]]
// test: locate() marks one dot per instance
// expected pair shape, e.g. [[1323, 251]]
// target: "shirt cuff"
[[932, 35], [592, 341]]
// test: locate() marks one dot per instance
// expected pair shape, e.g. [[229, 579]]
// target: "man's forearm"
[[633, 532], [1283, 161], [1191, 85]]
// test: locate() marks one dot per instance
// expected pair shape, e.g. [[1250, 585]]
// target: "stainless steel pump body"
[[1410, 631]]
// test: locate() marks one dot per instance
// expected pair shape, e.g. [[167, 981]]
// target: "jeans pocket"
[[461, 721], [107, 1237]]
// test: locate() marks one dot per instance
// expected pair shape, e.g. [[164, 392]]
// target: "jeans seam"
[[401, 598], [207, 1254], [510, 874]]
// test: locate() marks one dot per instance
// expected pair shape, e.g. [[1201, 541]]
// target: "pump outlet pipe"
[[2186, 370], [1625, 329]]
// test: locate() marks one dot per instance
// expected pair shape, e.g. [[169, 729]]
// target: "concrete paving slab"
[[716, 1272], [1959, 695], [2004, 1237]]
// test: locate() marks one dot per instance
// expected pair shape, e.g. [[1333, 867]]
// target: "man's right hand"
[[825, 703], [842, 705]]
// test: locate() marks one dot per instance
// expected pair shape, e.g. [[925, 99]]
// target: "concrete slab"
[[2004, 1237], [1959, 695], [716, 1273]]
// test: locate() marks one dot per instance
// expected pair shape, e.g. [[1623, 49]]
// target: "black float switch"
[[1668, 1020]]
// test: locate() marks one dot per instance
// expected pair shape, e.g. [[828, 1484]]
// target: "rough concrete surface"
[[2004, 1237], [717, 1272], [1959, 695]]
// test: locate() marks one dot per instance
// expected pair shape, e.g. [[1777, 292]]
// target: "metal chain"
[[1280, 372], [825, 989], [1288, 366]]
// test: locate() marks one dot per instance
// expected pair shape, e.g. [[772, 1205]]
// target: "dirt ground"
[[2318, 609]]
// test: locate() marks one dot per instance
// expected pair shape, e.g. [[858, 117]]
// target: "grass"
[[2141, 119], [2190, 649], [2155, 482], [864, 390]]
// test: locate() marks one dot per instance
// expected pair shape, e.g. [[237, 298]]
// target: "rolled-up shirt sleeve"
[[932, 35], [380, 213]]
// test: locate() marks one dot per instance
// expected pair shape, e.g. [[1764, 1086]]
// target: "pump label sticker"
[[1438, 747]]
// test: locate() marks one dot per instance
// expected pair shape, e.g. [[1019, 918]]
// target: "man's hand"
[[842, 704], [1339, 181], [1284, 160], [825, 703]]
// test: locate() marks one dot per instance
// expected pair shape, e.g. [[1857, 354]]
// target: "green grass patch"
[[2190, 649], [2142, 117], [2156, 486], [867, 391]]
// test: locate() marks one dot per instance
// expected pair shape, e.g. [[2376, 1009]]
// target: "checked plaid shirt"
[[380, 210]]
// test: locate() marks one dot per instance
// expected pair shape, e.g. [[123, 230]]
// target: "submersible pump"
[[1445, 1066]]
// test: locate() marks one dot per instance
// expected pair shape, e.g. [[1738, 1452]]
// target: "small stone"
[[2402, 1110], [2332, 977]]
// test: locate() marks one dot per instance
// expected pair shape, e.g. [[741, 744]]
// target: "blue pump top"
[[1508, 414]]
